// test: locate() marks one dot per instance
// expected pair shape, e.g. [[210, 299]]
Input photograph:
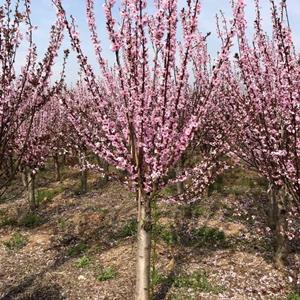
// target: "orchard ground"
[[83, 246]]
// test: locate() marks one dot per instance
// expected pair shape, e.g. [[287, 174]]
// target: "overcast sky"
[[43, 15]]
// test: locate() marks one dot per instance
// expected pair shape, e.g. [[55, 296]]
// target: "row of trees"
[[163, 102]]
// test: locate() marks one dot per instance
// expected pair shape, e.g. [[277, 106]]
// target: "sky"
[[43, 16]]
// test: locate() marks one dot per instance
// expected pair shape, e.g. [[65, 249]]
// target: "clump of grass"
[[7, 221], [239, 181], [4, 198], [181, 297], [206, 236], [17, 241], [129, 229], [62, 224], [107, 274], [216, 186], [193, 210], [31, 220], [103, 211], [46, 195], [78, 249], [83, 262], [199, 281], [158, 278], [293, 296], [169, 191], [167, 234]]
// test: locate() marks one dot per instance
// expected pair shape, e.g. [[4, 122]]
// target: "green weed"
[[62, 224], [83, 262], [158, 278], [129, 229], [199, 281], [107, 274], [46, 195], [17, 241], [293, 296], [168, 235], [7, 221], [77, 249], [206, 236], [31, 220]]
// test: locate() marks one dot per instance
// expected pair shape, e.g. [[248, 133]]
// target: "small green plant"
[[158, 278], [293, 296], [31, 220], [45, 195], [193, 210], [168, 235], [4, 198], [198, 211], [83, 262], [199, 281], [217, 186], [102, 211], [206, 236], [77, 249], [130, 229], [181, 296], [107, 274], [169, 190], [62, 224], [17, 241], [7, 221]]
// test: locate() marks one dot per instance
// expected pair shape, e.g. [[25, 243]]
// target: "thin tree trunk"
[[83, 181], [57, 168], [179, 184], [281, 245], [278, 224], [31, 191], [12, 166], [106, 171], [64, 159], [272, 209], [143, 247], [83, 173], [105, 166], [25, 178]]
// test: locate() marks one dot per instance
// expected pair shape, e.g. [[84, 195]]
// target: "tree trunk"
[[179, 184], [272, 209], [25, 178], [31, 191], [12, 166], [105, 166], [83, 181], [180, 187], [143, 247], [57, 168], [64, 159], [83, 173], [278, 224], [106, 171]]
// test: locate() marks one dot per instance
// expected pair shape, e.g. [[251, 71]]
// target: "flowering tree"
[[35, 151], [73, 104], [43, 140], [22, 94], [133, 119], [261, 106]]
